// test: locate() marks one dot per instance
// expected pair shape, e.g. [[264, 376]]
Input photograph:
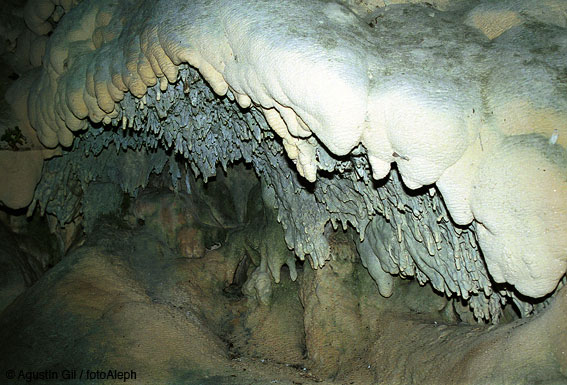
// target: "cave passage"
[[231, 192]]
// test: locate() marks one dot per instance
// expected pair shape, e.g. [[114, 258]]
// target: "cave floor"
[[124, 301]]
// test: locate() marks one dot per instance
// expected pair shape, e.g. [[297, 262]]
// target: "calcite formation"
[[438, 132]]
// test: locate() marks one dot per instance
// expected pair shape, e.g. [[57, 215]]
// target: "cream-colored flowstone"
[[420, 87]]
